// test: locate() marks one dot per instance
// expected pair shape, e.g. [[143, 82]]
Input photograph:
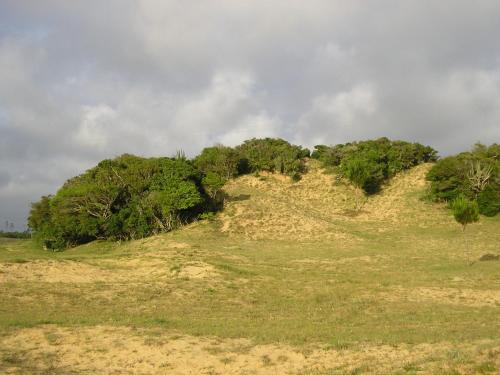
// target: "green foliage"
[[474, 174], [273, 155], [221, 160], [465, 211], [127, 197], [213, 184], [133, 197], [489, 200], [364, 171], [367, 164]]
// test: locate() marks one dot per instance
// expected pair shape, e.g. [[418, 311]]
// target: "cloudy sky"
[[85, 80]]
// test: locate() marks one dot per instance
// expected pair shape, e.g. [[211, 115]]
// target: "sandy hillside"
[[289, 279], [274, 206]]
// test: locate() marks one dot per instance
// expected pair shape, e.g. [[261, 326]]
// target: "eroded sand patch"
[[112, 350], [126, 270]]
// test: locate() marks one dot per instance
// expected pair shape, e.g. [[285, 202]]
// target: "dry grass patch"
[[111, 350], [453, 296], [198, 270], [53, 272]]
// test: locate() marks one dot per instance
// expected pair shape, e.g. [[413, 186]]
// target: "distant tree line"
[[131, 197], [10, 232], [15, 234]]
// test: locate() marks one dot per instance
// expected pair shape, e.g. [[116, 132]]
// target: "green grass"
[[275, 291], [340, 294]]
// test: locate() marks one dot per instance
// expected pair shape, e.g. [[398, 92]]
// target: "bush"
[[474, 175], [220, 160], [364, 172], [133, 197], [273, 155], [367, 164], [124, 198], [465, 211], [489, 200]]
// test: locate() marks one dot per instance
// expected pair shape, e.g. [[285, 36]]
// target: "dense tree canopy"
[[132, 197], [273, 155], [220, 160], [127, 197], [474, 175], [367, 164]]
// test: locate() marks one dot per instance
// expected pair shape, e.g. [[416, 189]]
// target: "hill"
[[321, 206], [291, 278]]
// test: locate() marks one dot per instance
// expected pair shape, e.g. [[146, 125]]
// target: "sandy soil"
[[112, 350], [277, 207]]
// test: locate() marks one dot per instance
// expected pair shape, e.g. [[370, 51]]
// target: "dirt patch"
[[111, 350], [454, 296]]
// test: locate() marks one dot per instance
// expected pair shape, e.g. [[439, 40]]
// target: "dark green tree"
[[221, 160], [124, 198], [474, 175]]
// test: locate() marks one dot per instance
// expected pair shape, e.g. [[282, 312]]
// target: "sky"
[[81, 81]]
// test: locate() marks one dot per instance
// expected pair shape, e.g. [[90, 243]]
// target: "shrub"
[[273, 155], [367, 164], [363, 172], [474, 175], [221, 160], [465, 211], [124, 198], [489, 200]]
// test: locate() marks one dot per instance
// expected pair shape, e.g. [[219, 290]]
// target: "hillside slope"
[[320, 205], [287, 280]]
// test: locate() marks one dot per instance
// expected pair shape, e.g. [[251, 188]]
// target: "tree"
[[213, 183], [364, 172], [124, 198], [465, 211], [368, 164], [221, 160], [273, 155], [474, 174], [478, 176]]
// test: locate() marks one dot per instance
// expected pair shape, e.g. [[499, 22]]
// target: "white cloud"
[[333, 118], [80, 83]]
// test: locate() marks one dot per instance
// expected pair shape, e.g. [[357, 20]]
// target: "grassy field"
[[288, 279]]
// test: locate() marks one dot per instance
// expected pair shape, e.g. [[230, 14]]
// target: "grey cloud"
[[86, 80], [4, 178]]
